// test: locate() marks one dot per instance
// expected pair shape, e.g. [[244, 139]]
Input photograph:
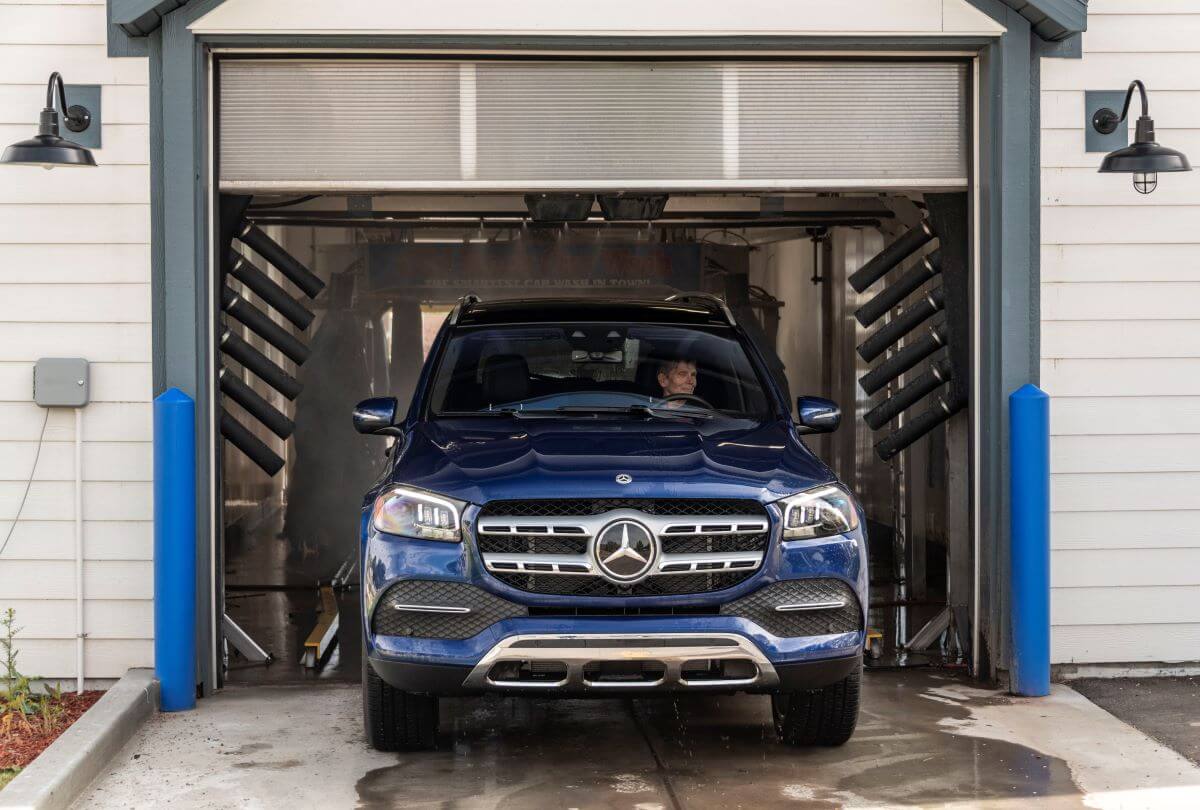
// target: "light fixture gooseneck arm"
[[1141, 88], [77, 118], [56, 81], [1106, 120]]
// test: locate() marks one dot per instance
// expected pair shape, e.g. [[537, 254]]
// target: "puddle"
[[718, 752]]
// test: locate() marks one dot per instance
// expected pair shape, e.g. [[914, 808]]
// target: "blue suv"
[[606, 498]]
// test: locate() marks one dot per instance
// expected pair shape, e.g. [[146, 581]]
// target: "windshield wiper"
[[630, 410]]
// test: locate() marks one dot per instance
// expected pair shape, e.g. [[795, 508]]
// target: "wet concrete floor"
[[924, 739]]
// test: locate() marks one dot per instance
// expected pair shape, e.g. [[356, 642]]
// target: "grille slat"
[[577, 507], [596, 586], [699, 544], [526, 544]]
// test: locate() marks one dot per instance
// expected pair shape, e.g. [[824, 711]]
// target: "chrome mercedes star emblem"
[[624, 478], [625, 551]]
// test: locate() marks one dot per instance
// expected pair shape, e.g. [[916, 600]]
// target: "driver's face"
[[681, 379]]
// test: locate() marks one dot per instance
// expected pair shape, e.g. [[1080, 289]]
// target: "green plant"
[[20, 705]]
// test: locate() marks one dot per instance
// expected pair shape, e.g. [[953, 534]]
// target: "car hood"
[[485, 459]]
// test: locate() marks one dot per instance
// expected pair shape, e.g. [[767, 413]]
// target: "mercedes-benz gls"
[[606, 498]]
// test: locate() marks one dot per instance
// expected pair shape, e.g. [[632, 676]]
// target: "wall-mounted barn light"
[[47, 149], [1144, 158]]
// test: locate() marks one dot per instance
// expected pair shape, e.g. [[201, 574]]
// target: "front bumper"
[[451, 666], [576, 662]]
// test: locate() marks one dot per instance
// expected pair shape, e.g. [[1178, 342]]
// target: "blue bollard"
[[175, 550], [1029, 451]]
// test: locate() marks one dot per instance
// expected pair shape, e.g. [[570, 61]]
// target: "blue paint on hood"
[[497, 458]]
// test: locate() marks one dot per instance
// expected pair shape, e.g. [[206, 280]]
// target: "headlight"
[[411, 513], [821, 512]]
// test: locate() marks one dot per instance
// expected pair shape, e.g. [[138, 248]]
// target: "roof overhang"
[[1052, 20]]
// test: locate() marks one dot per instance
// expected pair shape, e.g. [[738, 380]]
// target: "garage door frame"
[[1006, 186]]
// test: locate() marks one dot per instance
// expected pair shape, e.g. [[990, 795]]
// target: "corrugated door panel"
[[332, 120], [846, 121], [600, 121], [395, 124]]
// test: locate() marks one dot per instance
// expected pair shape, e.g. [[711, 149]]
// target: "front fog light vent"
[[528, 672]]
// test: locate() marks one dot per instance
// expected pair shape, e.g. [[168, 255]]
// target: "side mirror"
[[376, 416], [817, 415]]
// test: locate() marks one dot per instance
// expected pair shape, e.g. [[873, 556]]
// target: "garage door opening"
[[387, 269], [825, 200]]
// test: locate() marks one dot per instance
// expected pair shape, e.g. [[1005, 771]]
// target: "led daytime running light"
[[822, 512], [410, 513]]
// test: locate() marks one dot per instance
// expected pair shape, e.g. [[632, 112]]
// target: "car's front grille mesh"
[[569, 507], [531, 544], [699, 544], [597, 586], [396, 613], [507, 531], [760, 608]]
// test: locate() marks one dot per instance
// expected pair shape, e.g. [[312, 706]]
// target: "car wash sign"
[[532, 269]]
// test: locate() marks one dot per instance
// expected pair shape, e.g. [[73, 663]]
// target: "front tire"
[[825, 716], [396, 720]]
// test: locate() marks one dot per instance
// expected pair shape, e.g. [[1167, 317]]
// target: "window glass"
[[548, 367]]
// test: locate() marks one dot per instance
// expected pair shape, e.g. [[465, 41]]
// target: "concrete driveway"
[[924, 739]]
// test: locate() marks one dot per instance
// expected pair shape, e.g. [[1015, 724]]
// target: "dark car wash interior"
[[385, 291]]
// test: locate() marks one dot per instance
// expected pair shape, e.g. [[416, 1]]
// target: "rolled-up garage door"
[[379, 124]]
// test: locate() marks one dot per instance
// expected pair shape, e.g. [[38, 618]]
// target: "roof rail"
[[463, 303], [705, 298]]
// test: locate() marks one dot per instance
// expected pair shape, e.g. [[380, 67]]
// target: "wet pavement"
[[924, 739]]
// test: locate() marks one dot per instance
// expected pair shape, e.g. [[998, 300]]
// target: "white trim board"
[[613, 18]]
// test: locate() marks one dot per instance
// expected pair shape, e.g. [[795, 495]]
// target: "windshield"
[[595, 368]]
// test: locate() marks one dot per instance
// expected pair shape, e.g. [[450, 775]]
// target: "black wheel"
[[824, 716], [396, 720]]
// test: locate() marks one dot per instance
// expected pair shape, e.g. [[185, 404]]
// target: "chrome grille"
[[563, 507], [546, 546]]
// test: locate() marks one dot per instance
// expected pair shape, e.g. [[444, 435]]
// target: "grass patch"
[[6, 776]]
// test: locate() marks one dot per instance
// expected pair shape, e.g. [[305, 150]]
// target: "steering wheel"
[[686, 397]]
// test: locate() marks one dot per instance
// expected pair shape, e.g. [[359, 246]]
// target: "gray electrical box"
[[60, 382]]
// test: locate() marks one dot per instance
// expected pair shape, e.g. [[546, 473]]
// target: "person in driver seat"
[[677, 376]]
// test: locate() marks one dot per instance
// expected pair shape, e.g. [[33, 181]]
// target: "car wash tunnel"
[[841, 239], [327, 299]]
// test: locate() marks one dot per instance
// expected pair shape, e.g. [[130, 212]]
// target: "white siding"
[[1121, 349], [75, 281]]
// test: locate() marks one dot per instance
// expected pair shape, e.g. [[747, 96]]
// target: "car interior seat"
[[505, 378]]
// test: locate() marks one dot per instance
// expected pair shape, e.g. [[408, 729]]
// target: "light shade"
[[1145, 157], [48, 151]]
